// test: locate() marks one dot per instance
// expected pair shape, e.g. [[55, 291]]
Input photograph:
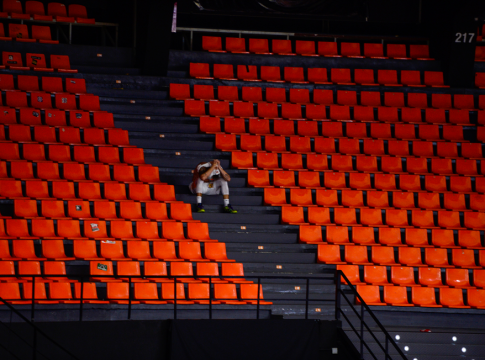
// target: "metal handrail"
[[364, 306], [36, 330], [331, 274]]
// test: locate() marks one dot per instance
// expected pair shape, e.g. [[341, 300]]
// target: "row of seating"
[[55, 271], [43, 100], [36, 62], [405, 276], [97, 170], [99, 229], [49, 135], [143, 293], [296, 75], [329, 146], [390, 236], [55, 11], [307, 48], [56, 118], [197, 108], [423, 297], [114, 250], [19, 32], [365, 181], [425, 219], [368, 164], [330, 130], [407, 256], [106, 210], [48, 84], [326, 97], [374, 199], [85, 190], [334, 129]]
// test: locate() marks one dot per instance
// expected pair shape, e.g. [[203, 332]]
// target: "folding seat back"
[[403, 276], [383, 255], [271, 73], [294, 75], [200, 70], [252, 94], [387, 77], [61, 63], [318, 75], [373, 50], [37, 62], [228, 93], [376, 275], [300, 96], [370, 98], [411, 78], [236, 45], [259, 46], [89, 102], [395, 99], [212, 43], [346, 97], [16, 99], [219, 108], [363, 113], [387, 114], [419, 51], [441, 101], [328, 49], [396, 51], [340, 76], [275, 94], [12, 59], [329, 254], [203, 92], [305, 47], [350, 49], [224, 71], [130, 210], [27, 83], [19, 32], [396, 296], [43, 34], [6, 82], [281, 47], [370, 294]]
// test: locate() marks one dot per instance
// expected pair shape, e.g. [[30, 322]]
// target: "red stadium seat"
[[259, 46], [419, 52], [364, 77], [305, 48], [281, 47], [318, 76], [328, 49], [212, 43], [271, 73], [375, 51], [350, 50], [411, 78], [236, 45], [396, 51]]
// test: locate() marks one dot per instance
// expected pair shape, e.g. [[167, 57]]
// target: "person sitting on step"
[[210, 179]]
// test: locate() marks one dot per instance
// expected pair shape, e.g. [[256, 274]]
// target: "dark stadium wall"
[[153, 24], [188, 339]]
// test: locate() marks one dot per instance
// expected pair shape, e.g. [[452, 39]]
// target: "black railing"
[[330, 275], [34, 344]]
